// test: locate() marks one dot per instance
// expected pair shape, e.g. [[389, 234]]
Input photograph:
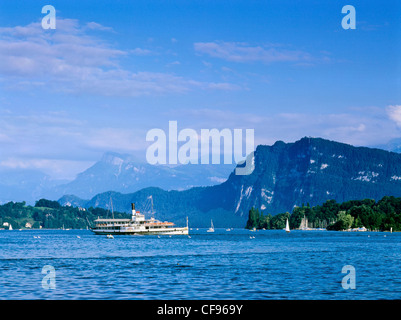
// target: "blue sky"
[[113, 70]]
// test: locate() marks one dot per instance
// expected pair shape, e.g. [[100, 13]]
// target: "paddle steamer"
[[137, 225]]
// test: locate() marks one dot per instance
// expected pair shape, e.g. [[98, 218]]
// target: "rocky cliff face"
[[313, 170]]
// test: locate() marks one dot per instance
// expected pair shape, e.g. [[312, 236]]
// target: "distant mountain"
[[73, 201], [123, 173], [117, 172], [24, 185], [393, 145], [311, 170]]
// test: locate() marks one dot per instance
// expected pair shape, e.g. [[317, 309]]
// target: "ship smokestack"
[[133, 209]]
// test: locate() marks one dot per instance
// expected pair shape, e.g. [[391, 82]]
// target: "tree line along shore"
[[382, 215], [50, 214]]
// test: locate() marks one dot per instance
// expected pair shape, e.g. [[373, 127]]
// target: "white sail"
[[10, 228], [287, 226], [211, 229], [304, 224]]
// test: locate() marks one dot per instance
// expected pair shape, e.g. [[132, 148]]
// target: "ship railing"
[[159, 224]]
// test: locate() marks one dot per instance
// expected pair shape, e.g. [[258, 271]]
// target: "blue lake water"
[[220, 265]]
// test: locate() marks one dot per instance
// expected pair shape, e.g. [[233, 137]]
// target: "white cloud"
[[57, 134], [117, 139], [224, 86], [174, 63], [97, 26], [243, 52], [71, 60], [68, 53], [369, 128], [394, 113], [58, 144], [217, 179], [141, 52], [56, 168]]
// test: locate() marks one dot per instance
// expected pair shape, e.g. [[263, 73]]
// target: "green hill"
[[383, 215], [51, 215]]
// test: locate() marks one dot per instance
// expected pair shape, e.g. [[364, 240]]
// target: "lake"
[[236, 264]]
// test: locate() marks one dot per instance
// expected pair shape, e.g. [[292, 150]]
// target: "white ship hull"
[[133, 231], [137, 225]]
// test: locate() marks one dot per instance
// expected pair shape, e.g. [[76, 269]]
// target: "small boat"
[[287, 226], [110, 236], [11, 227], [211, 229]]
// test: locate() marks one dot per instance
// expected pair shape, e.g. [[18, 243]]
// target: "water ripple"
[[274, 265]]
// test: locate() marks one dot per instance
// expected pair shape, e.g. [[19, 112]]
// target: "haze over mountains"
[[117, 172], [393, 145], [24, 185], [124, 174]]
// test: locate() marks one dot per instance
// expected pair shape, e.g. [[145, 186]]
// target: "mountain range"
[[114, 171], [27, 185], [311, 170], [123, 173]]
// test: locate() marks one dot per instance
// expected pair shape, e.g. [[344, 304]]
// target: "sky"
[[113, 70]]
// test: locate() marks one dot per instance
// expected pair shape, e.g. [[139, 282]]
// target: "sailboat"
[[304, 224], [211, 229], [11, 227], [287, 226]]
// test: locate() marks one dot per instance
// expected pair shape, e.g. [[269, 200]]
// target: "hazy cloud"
[[97, 26], [351, 127], [57, 142], [69, 59], [243, 52], [141, 52], [394, 113]]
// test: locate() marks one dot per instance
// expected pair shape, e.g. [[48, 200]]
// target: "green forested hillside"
[[381, 215], [50, 214]]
